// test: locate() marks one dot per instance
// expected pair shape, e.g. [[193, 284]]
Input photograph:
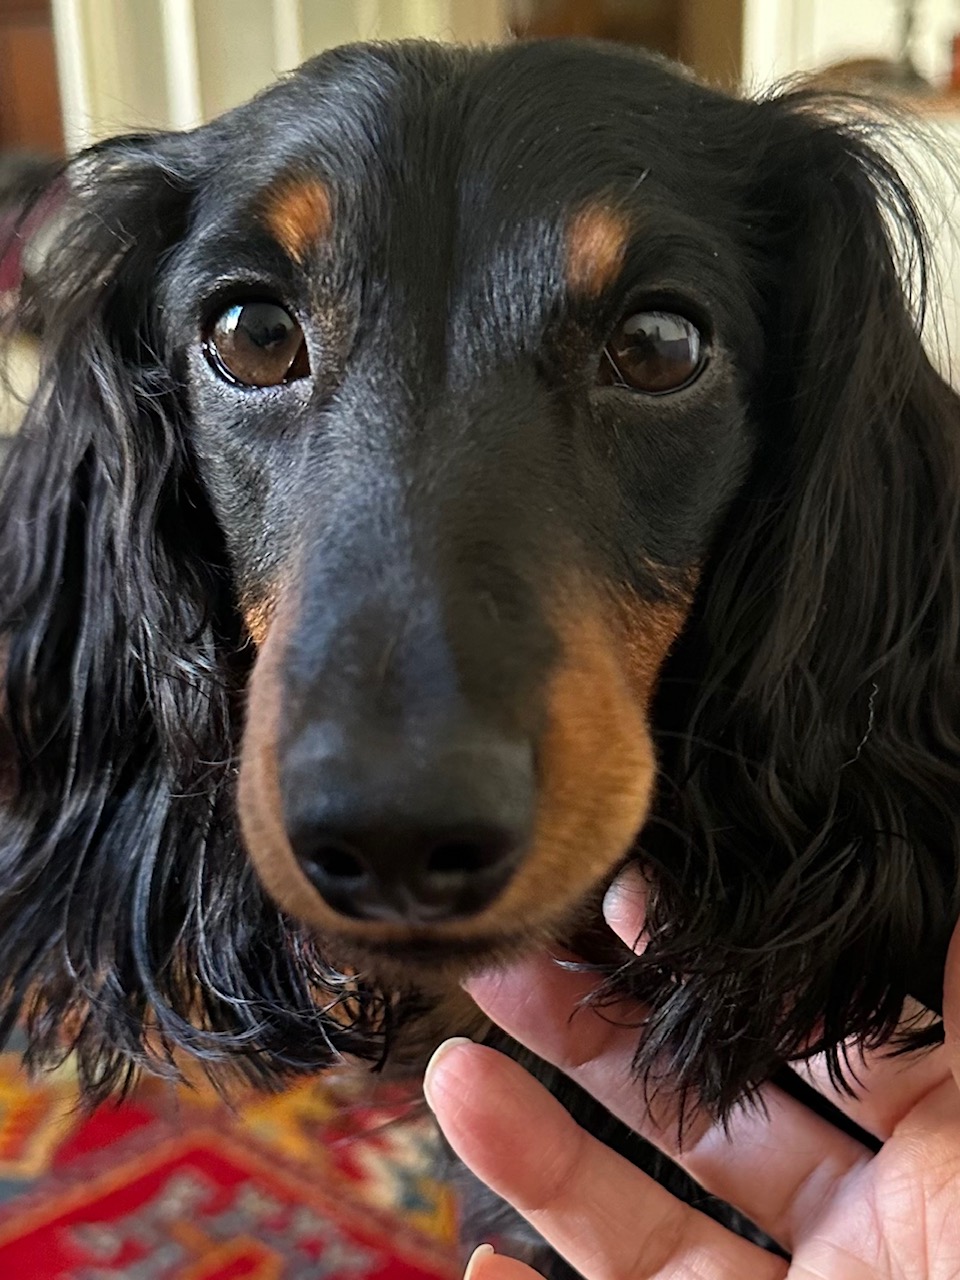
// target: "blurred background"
[[72, 71]]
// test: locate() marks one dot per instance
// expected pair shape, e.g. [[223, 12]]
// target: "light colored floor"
[[18, 376]]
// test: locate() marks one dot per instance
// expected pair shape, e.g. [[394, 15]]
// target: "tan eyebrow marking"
[[298, 212], [596, 242]]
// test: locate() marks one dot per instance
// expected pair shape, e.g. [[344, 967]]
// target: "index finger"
[[609, 1220]]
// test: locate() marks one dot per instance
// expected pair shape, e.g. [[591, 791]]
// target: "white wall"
[[858, 28], [782, 37]]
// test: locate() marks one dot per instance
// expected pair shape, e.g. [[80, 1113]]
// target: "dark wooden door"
[[705, 34], [29, 99]]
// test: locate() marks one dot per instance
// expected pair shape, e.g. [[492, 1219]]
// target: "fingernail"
[[481, 1251], [438, 1054], [487, 980], [629, 888], [624, 902]]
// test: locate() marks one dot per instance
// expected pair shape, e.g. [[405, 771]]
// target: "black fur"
[[805, 835]]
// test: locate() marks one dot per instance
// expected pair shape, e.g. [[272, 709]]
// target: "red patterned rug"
[[328, 1180]]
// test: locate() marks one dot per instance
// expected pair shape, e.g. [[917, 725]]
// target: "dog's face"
[[469, 411], [454, 474], [467, 388]]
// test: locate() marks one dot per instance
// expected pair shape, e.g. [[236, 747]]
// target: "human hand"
[[842, 1212]]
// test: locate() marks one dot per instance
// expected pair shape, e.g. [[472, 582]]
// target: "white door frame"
[[778, 39], [99, 87]]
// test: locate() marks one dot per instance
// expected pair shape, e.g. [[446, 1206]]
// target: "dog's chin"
[[422, 960], [427, 959]]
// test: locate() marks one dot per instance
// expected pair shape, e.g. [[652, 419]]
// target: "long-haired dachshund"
[[455, 474]]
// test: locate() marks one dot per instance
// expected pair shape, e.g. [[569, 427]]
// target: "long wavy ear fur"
[[806, 851], [130, 921]]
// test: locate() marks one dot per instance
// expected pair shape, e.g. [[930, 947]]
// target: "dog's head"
[[442, 465]]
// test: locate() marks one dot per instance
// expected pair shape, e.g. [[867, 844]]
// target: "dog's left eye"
[[653, 351], [256, 344]]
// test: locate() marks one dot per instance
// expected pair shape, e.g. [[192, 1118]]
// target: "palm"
[[840, 1211], [897, 1215]]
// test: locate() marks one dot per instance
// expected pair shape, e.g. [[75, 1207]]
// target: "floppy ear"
[[127, 908], [807, 849]]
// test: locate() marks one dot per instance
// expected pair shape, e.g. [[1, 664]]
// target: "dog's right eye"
[[256, 344]]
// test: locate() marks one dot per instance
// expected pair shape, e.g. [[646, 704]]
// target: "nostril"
[[337, 862], [454, 858]]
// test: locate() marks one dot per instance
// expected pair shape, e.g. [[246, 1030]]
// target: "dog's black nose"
[[406, 831]]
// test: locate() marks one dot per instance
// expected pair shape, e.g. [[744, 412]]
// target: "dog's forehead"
[[420, 142]]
